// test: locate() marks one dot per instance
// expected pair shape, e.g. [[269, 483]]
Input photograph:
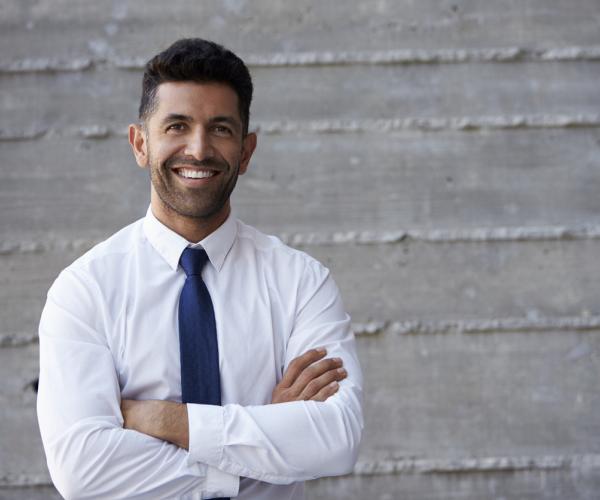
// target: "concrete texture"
[[363, 181], [534, 485], [441, 157], [391, 91], [29, 493], [104, 28], [407, 281]]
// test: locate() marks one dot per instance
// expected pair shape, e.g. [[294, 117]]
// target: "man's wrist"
[[173, 423]]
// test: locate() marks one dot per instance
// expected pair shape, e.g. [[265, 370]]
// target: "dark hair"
[[197, 60]]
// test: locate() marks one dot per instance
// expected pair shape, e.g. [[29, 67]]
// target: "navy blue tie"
[[199, 351], [198, 347]]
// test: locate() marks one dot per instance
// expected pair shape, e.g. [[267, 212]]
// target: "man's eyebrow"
[[226, 119], [176, 117]]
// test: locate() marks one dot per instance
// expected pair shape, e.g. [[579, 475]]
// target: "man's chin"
[[196, 212]]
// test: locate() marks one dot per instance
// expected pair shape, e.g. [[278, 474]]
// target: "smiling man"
[[190, 355]]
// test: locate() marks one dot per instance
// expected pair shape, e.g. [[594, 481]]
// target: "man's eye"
[[220, 129], [175, 127]]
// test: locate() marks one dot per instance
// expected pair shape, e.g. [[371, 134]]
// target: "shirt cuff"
[[206, 428], [221, 484]]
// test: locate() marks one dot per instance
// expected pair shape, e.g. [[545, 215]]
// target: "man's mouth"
[[193, 173]]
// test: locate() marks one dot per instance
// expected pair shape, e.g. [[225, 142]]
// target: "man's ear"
[[248, 147], [139, 145]]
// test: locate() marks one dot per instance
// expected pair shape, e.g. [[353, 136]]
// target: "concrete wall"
[[442, 157]]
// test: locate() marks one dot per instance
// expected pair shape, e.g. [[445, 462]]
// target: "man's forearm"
[[164, 420]]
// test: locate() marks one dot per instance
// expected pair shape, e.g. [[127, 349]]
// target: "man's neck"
[[193, 229]]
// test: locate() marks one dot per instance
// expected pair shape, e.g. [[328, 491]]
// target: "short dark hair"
[[197, 60]]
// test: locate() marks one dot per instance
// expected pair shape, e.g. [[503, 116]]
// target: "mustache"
[[211, 163]]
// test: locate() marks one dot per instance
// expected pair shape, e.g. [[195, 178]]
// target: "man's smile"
[[193, 173]]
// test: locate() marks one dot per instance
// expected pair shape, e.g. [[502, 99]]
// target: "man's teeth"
[[195, 174]]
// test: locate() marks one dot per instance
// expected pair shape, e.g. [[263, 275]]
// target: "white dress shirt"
[[109, 330]]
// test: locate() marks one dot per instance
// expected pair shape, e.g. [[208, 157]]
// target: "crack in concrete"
[[327, 58], [377, 328], [462, 235], [475, 465], [411, 465], [432, 124]]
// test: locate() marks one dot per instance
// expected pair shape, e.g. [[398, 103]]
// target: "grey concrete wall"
[[441, 157]]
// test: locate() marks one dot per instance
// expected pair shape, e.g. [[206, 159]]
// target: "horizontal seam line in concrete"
[[377, 328], [468, 235], [434, 236], [328, 58], [479, 465], [341, 126], [485, 325], [432, 124]]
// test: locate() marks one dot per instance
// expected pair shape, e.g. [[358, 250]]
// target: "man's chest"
[[252, 330]]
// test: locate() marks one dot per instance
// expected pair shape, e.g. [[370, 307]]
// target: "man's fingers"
[[309, 377], [299, 364], [326, 392], [313, 372], [316, 385]]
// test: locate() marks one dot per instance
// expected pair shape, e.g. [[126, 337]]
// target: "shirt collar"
[[171, 245]]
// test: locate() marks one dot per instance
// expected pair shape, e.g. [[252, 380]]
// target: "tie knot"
[[192, 261]]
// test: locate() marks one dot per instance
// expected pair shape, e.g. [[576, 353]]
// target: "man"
[[189, 355]]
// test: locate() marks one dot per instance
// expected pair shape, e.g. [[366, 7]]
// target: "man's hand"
[[164, 420], [307, 378]]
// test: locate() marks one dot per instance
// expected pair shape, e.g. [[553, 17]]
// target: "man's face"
[[194, 145]]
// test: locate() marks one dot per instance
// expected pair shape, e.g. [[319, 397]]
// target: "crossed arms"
[[308, 378], [92, 453]]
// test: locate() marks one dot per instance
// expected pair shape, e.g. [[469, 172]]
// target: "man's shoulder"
[[276, 251], [111, 252], [98, 268], [267, 243]]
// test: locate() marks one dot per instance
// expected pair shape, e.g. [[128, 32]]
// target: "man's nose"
[[199, 145]]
